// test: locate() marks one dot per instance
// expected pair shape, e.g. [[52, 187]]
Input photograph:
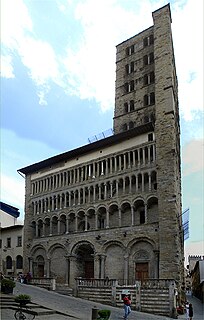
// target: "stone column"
[[48, 267], [145, 212], [36, 229], [107, 219], [150, 185], [149, 157], [129, 159], [96, 220], [111, 189], [67, 225], [124, 160], [142, 182], [65, 200], [116, 188], [76, 222], [105, 191], [73, 272], [143, 156], [50, 227], [106, 167], [58, 226], [115, 163], [126, 269], [103, 266], [43, 229], [136, 182], [86, 222], [96, 266], [119, 216], [130, 185], [132, 214]]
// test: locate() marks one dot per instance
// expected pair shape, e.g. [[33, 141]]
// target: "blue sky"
[[58, 84]]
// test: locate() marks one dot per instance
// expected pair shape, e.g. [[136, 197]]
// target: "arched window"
[[19, 262], [125, 127], [131, 125], [8, 262], [126, 107], [142, 217]]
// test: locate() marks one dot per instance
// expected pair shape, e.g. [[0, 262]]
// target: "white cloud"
[[6, 67], [89, 67], [13, 190], [37, 55], [193, 154], [187, 26]]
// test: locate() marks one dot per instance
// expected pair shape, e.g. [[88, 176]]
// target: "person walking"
[[187, 310], [190, 311], [127, 304]]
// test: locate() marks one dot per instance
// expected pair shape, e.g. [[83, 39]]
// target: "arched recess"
[[143, 262], [91, 218], [126, 218], [62, 223], [113, 216], [19, 262], [102, 221], [9, 263], [39, 261], [40, 228], [72, 220], [152, 209], [139, 212], [114, 262], [83, 263], [54, 225], [47, 226], [58, 264], [32, 227]]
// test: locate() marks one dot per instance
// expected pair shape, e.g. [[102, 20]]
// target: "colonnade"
[[135, 158], [134, 183], [139, 212]]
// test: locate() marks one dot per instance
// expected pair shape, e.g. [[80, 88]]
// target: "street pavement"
[[72, 308], [198, 308]]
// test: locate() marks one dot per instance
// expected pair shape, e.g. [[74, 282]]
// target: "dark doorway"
[[40, 271], [89, 269], [85, 261], [141, 271]]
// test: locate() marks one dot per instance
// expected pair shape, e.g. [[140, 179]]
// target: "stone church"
[[112, 208]]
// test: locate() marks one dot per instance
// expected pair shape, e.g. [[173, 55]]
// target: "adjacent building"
[[112, 208], [11, 241]]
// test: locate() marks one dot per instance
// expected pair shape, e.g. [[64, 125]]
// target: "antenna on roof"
[[101, 135]]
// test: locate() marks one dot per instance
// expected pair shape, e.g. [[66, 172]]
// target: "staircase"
[[64, 289], [102, 295], [155, 301]]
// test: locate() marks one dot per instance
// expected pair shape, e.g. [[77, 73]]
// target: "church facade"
[[112, 208]]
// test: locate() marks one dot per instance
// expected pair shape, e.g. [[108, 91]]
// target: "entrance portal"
[[141, 271], [85, 261]]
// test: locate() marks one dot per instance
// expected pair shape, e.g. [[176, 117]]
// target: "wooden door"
[[89, 269], [40, 271], [141, 271]]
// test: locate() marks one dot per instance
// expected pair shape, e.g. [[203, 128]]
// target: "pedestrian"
[[190, 311], [127, 304], [187, 310]]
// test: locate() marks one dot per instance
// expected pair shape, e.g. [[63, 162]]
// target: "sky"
[[58, 85]]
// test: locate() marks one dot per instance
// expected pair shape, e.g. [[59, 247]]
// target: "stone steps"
[[8, 302], [102, 295]]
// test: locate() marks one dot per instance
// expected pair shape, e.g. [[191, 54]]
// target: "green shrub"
[[22, 297], [7, 283], [104, 314]]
